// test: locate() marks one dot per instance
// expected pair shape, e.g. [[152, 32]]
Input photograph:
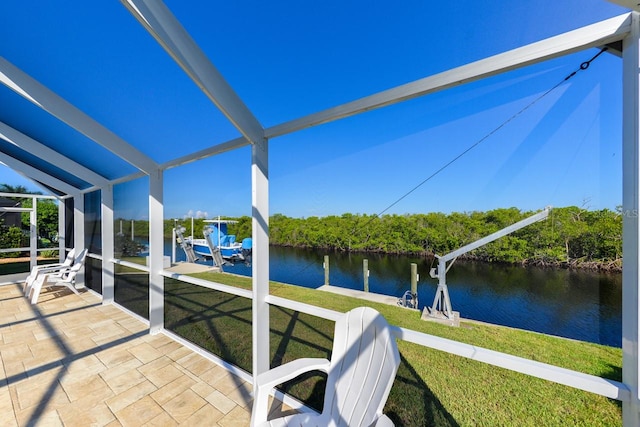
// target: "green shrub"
[[12, 237], [49, 254]]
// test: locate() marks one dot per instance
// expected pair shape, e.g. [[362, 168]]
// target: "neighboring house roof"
[[8, 203]]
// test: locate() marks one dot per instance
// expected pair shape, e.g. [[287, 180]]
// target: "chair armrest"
[[290, 370], [55, 264], [384, 421], [269, 379], [49, 267]]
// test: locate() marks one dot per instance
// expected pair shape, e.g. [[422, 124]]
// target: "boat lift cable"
[[583, 67]]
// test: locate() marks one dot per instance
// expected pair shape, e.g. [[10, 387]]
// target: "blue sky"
[[287, 59]]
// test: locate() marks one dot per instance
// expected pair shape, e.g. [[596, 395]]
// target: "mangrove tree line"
[[570, 236]]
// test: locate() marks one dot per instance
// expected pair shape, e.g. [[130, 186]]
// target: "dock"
[[190, 268], [369, 296]]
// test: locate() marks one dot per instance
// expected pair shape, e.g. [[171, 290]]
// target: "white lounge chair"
[[59, 278], [48, 268], [363, 365]]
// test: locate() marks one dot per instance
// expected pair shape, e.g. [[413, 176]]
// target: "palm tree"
[[17, 189], [20, 189]]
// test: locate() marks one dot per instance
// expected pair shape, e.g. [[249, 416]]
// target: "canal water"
[[582, 305]]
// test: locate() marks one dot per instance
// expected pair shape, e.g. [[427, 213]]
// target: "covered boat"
[[216, 238]]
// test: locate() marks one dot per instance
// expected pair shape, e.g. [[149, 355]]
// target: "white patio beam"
[[32, 90], [37, 175], [599, 34], [167, 30], [207, 152], [34, 147]]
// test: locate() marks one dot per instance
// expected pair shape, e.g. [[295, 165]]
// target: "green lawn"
[[432, 387]]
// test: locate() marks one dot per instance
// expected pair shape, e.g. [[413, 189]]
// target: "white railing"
[[245, 293], [8, 250], [130, 264], [27, 249], [590, 383]]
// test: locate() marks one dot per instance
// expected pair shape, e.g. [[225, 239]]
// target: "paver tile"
[[145, 352], [131, 395], [238, 417], [139, 412], [167, 392], [205, 416], [124, 381], [184, 405], [221, 402]]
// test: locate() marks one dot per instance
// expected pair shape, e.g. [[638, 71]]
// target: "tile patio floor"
[[71, 361]]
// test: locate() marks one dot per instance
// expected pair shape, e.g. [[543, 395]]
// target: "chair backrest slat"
[[69, 258], [364, 362], [70, 274]]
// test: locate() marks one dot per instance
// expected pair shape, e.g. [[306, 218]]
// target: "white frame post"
[[78, 232], [33, 232], [108, 268], [62, 233], [631, 219], [156, 252], [260, 256]]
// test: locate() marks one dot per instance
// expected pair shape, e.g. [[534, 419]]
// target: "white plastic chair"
[[47, 268], [59, 278], [363, 365]]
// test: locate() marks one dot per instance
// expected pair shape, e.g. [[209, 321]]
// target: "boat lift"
[[441, 308], [186, 247], [216, 255]]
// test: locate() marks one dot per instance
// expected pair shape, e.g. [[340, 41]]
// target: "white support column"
[[62, 233], [631, 220], [260, 255], [108, 270], [33, 232], [78, 231], [156, 252]]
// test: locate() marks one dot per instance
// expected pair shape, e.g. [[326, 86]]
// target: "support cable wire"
[[583, 66]]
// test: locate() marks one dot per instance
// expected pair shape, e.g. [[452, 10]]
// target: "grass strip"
[[431, 387]]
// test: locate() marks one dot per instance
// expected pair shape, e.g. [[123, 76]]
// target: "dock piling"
[[414, 278], [365, 274], [325, 265]]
